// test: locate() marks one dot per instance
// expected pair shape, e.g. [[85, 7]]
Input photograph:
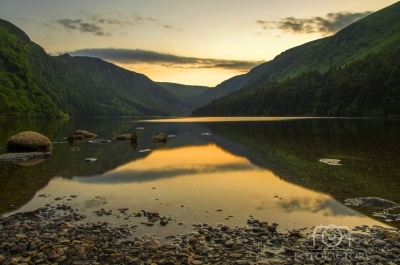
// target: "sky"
[[203, 42]]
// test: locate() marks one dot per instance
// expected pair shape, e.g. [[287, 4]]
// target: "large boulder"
[[28, 141], [159, 137]]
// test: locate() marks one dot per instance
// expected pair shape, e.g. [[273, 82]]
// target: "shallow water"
[[216, 172]]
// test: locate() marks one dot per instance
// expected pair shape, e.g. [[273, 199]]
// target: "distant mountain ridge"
[[375, 33], [185, 93], [33, 83]]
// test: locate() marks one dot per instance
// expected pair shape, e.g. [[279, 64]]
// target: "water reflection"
[[190, 160], [190, 183], [238, 166]]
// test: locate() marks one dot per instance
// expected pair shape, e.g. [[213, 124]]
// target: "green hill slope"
[[114, 89], [368, 87], [33, 83], [20, 92], [185, 93], [377, 32]]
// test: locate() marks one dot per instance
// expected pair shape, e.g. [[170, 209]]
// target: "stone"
[[53, 255], [99, 141], [81, 135], [60, 259], [26, 239], [23, 159], [28, 141], [371, 202], [379, 243], [329, 161], [91, 159], [229, 243], [235, 255], [133, 137], [159, 137], [21, 236], [123, 137]]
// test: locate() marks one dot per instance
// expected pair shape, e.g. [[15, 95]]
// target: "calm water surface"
[[211, 170]]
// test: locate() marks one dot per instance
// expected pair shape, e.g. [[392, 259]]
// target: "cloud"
[[129, 56], [78, 24], [172, 27], [69, 23], [329, 24], [103, 26]]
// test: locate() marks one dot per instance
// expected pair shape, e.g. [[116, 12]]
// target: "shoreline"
[[59, 235]]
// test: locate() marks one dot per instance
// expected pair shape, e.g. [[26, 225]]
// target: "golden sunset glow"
[[192, 157]]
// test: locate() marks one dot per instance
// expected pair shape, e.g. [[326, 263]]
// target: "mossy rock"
[[28, 141]]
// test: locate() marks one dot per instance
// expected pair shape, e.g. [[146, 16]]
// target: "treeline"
[[368, 87]]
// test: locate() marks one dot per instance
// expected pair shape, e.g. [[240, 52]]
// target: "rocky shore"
[[59, 235]]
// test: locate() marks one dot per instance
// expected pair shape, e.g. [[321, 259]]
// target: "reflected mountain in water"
[[198, 180], [189, 160]]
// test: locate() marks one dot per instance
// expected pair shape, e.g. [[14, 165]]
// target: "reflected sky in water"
[[224, 119], [190, 183]]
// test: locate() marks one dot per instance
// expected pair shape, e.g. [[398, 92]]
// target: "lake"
[[211, 170]]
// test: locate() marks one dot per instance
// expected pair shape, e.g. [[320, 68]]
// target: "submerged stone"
[[371, 202], [100, 141], [123, 137], [89, 159], [22, 157], [330, 161]]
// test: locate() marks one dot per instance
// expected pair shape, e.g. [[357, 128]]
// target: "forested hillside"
[[35, 84], [375, 33], [364, 87], [21, 93]]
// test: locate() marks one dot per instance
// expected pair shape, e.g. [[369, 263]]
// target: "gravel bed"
[[59, 235]]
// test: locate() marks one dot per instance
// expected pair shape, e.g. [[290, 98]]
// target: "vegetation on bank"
[[367, 87]]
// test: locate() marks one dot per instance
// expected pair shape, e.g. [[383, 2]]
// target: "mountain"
[[221, 90], [33, 83], [116, 89], [185, 93], [375, 33]]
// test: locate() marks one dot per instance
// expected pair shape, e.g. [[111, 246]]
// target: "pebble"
[[45, 236]]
